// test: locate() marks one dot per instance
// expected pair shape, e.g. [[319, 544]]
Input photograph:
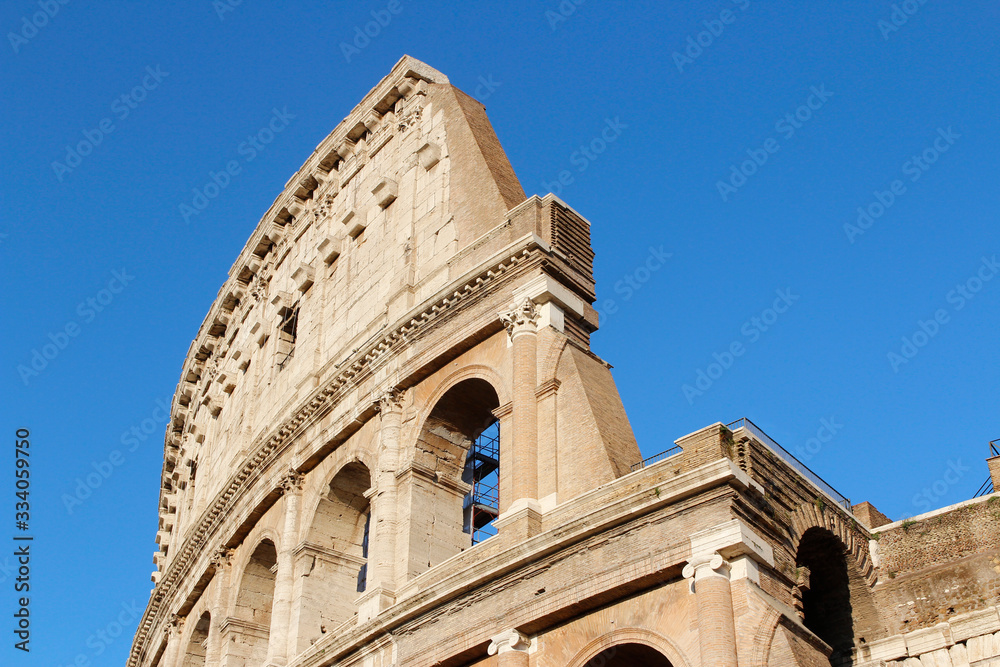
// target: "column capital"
[[173, 625], [522, 319], [222, 558], [508, 640], [390, 400], [706, 565], [291, 482]]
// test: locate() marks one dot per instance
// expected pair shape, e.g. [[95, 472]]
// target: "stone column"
[[522, 327], [380, 592], [173, 631], [222, 563], [280, 638], [511, 649], [384, 508], [709, 575]]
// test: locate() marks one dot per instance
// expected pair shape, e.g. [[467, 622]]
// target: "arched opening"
[[332, 564], [461, 441], [628, 655], [253, 603], [197, 647], [826, 592]]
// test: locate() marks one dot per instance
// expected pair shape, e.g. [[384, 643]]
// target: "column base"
[[523, 519], [373, 602]]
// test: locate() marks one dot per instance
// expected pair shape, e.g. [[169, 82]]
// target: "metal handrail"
[[655, 458], [986, 489], [995, 447], [799, 466]]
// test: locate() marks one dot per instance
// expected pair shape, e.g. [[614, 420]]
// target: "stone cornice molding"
[[269, 447]]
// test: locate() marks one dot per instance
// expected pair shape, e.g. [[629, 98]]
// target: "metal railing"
[[985, 489], [655, 458], [995, 447], [787, 457]]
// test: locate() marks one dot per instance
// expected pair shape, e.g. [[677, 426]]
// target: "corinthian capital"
[[523, 318], [390, 400], [291, 482]]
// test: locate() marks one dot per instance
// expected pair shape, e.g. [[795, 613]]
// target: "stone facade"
[[401, 296]]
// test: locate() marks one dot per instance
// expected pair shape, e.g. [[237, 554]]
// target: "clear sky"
[[740, 138]]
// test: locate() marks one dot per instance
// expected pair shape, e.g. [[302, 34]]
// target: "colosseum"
[[391, 444]]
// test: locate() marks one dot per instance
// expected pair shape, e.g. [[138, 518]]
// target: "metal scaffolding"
[[482, 504]]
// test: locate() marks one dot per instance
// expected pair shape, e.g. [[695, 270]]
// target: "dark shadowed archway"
[[629, 655]]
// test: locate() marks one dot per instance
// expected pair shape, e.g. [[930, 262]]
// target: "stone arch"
[[254, 600], [471, 371], [767, 627], [601, 651], [332, 559], [196, 647], [812, 515], [458, 411]]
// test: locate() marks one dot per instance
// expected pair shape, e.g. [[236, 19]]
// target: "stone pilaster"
[[280, 639], [709, 575], [222, 564], [385, 502], [522, 326], [172, 633], [511, 649]]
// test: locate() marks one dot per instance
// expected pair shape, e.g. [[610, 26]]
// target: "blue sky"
[[746, 136]]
